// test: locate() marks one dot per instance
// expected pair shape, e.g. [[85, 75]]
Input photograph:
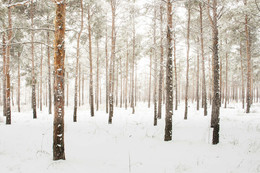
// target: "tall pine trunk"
[[187, 72], [4, 75], [59, 70], [49, 69], [169, 80], [155, 70]]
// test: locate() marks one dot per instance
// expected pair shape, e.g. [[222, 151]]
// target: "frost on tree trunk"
[[49, 69], [59, 70], [169, 76], [215, 65]]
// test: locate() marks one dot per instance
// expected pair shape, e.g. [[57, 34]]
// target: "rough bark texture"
[[59, 70], [169, 86], [216, 96], [187, 72]]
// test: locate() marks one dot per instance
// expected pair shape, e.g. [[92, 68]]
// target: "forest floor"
[[132, 144]]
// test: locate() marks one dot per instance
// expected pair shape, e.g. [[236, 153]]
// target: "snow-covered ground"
[[132, 143]]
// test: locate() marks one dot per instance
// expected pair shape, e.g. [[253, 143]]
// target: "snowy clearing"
[[132, 143]]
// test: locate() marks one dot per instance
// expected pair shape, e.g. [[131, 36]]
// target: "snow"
[[132, 143]]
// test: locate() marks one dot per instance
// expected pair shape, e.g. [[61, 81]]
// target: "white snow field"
[[132, 144]]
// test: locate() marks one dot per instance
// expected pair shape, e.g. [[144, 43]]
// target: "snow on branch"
[[18, 4]]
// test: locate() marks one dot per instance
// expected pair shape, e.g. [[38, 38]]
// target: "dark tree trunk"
[[169, 86], [4, 75]]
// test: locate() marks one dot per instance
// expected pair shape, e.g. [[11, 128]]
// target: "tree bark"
[[187, 72], [33, 73], [97, 75], [248, 54], [77, 66], [169, 86], [204, 89], [59, 70], [41, 81], [175, 72], [155, 71], [49, 69], [161, 66], [107, 75], [4, 75], [133, 64], [215, 62], [91, 95], [126, 77], [197, 78], [112, 63]]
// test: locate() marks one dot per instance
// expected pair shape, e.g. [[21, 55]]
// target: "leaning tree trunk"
[[33, 73], [187, 72], [215, 62], [77, 66], [169, 80], [204, 89], [90, 64], [59, 70], [161, 67]]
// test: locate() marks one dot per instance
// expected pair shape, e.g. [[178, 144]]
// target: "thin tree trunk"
[[4, 74], [126, 77], [112, 63], [150, 81], [204, 89], [97, 75], [49, 69], [91, 95], [33, 73], [77, 66], [175, 72], [107, 76], [121, 83], [161, 66], [67, 89], [83, 87], [133, 64], [79, 90], [169, 86], [197, 77], [59, 70], [226, 96], [248, 54], [41, 81], [155, 71], [187, 72]]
